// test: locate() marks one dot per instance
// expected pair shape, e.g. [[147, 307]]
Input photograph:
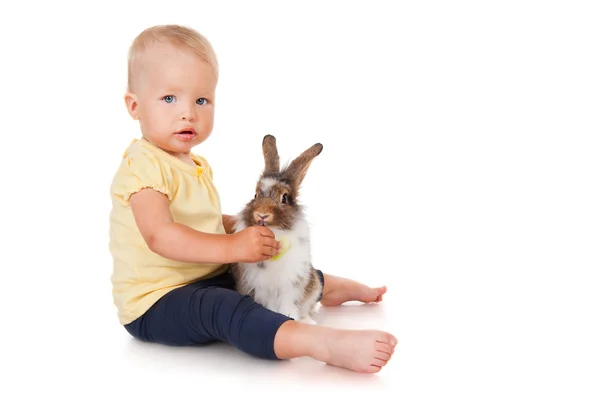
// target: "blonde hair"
[[179, 36]]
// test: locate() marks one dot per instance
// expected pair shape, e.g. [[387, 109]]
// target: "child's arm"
[[179, 242]]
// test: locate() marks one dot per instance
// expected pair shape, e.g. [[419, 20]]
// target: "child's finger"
[[269, 251], [266, 232]]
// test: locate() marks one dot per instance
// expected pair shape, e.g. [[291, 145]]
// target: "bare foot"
[[339, 290], [361, 351], [356, 350]]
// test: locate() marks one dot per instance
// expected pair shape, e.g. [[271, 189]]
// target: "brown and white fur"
[[288, 285]]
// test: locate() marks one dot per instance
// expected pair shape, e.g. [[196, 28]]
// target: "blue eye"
[[201, 101], [169, 99]]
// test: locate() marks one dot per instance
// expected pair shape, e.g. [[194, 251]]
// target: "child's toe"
[[384, 348], [387, 338], [372, 369], [379, 362]]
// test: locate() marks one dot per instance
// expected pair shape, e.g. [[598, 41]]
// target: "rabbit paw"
[[292, 315], [307, 320], [289, 311]]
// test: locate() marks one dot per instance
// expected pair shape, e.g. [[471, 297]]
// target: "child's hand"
[[255, 244]]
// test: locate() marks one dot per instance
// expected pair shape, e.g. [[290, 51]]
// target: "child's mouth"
[[186, 135]]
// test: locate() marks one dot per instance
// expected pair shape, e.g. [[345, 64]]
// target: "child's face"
[[174, 91]]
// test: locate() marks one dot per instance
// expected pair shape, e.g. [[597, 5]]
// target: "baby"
[[170, 241]]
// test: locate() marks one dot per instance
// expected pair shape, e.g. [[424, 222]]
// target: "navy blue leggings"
[[207, 311]]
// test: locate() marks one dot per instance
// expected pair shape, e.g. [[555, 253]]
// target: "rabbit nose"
[[262, 219], [262, 216]]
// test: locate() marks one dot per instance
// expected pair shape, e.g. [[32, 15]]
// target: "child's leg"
[[210, 311], [338, 290]]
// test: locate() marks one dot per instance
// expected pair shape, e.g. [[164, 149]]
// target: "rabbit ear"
[[270, 153], [298, 168]]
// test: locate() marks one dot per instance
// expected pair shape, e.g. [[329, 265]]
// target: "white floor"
[[236, 372], [86, 357], [453, 343]]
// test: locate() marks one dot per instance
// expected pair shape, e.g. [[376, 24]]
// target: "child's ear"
[[132, 105]]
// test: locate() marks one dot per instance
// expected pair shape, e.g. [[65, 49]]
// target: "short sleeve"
[[141, 170]]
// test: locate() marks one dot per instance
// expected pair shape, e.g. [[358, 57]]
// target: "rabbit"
[[288, 283]]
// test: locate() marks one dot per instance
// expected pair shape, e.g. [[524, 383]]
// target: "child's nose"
[[188, 113]]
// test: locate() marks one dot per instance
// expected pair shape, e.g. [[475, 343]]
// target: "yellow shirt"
[[140, 277]]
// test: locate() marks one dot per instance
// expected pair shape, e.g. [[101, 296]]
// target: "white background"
[[460, 167]]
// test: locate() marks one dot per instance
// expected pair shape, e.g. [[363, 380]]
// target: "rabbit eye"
[[284, 198]]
